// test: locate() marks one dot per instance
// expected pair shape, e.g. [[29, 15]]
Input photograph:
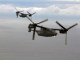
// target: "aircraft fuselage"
[[46, 33]]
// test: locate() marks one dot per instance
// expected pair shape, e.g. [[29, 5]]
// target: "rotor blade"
[[34, 33], [28, 12], [72, 26], [16, 9], [60, 25], [33, 13], [17, 14], [45, 28], [43, 21], [19, 11], [66, 39], [30, 19]]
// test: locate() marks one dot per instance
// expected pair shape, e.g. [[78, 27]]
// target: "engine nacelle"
[[63, 31]]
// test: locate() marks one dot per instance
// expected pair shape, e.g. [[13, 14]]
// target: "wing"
[[48, 28]]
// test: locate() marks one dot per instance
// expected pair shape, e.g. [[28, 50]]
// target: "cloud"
[[75, 0], [51, 9], [6, 8], [69, 9], [68, 0], [62, 0]]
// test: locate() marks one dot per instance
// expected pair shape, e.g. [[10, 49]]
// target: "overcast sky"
[[16, 42], [63, 9]]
